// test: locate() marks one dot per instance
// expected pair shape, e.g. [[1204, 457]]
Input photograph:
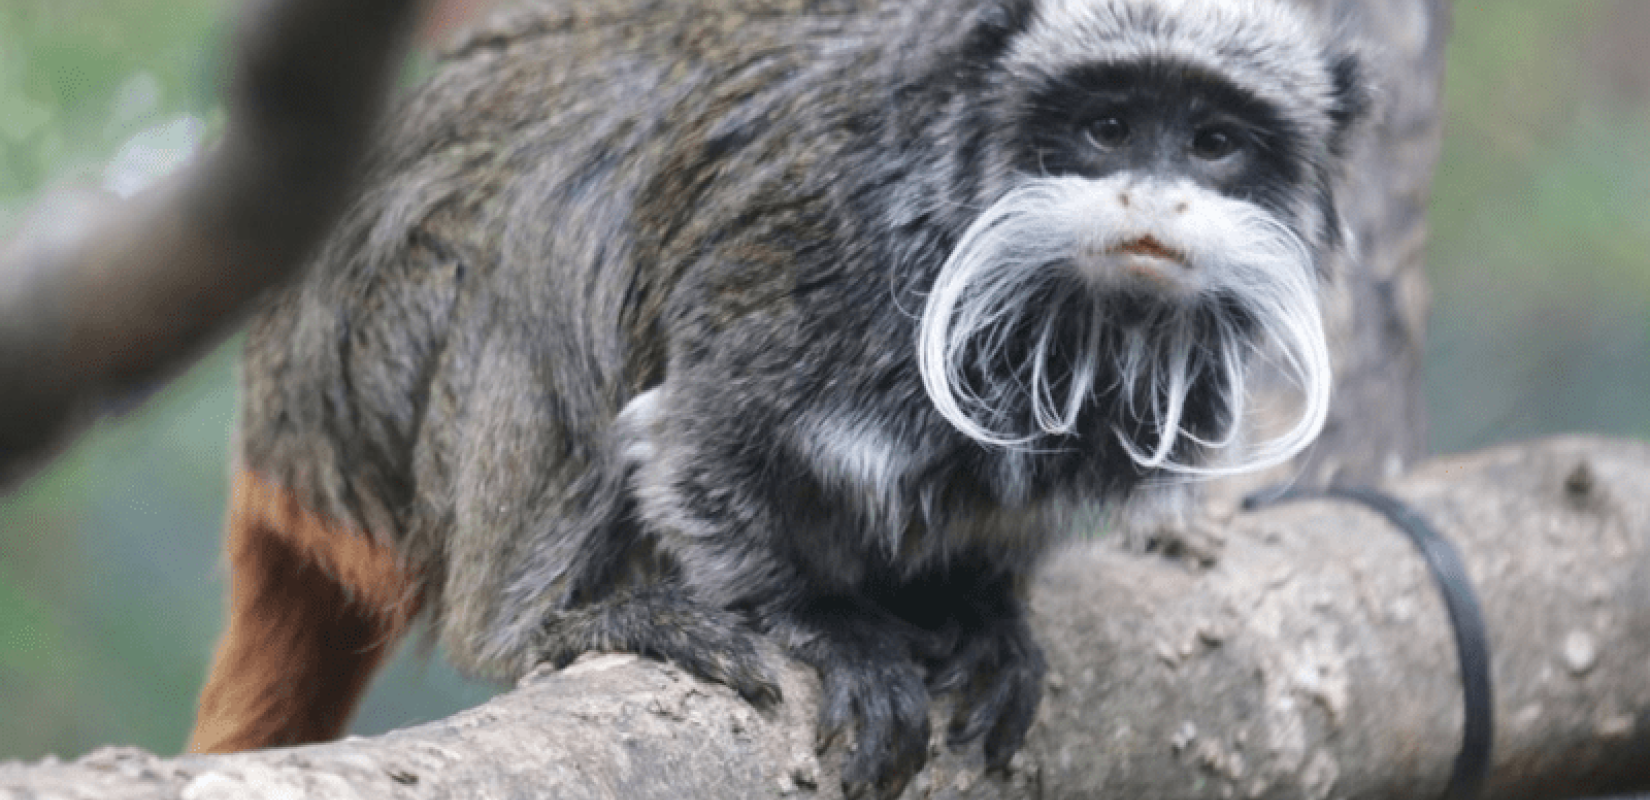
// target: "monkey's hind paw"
[[666, 624], [996, 675]]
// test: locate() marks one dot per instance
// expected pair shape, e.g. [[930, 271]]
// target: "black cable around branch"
[[1472, 762]]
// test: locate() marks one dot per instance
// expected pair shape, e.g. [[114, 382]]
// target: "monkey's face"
[[1177, 153], [1162, 224]]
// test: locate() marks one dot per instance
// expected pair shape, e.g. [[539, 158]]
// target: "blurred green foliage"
[[110, 581], [78, 77], [1540, 249]]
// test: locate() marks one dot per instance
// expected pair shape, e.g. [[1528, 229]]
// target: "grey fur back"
[[446, 375]]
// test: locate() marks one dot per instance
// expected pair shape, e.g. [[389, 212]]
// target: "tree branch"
[[1311, 659], [143, 286]]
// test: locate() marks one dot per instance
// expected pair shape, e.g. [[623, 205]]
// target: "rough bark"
[[94, 313], [1312, 659]]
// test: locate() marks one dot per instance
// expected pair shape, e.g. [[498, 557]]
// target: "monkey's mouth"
[[1149, 246], [1147, 262]]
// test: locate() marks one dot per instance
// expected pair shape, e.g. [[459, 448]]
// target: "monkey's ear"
[[995, 25], [1352, 99]]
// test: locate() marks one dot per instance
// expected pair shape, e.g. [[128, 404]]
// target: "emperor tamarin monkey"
[[664, 325]]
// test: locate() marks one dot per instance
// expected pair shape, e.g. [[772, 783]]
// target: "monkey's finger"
[[956, 672], [836, 708], [1002, 702], [973, 718], [892, 735], [1014, 723], [999, 673], [865, 764]]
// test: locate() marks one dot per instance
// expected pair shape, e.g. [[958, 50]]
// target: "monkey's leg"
[[313, 610]]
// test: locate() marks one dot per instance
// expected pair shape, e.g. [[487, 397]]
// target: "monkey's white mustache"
[[1015, 266]]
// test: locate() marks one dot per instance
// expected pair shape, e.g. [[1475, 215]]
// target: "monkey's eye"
[[1108, 133], [1213, 144]]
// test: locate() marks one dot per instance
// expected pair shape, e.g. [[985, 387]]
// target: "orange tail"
[[313, 609]]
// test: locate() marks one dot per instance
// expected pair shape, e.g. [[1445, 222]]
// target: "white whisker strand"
[[1232, 388], [1042, 394], [1233, 397], [1130, 367], [1168, 387], [1087, 366]]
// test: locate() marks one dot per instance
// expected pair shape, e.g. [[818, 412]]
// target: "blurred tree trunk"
[[1377, 307]]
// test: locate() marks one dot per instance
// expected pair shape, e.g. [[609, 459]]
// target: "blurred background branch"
[[97, 306]]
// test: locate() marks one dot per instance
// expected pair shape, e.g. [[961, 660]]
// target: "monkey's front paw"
[[885, 704], [872, 688], [664, 623], [996, 674]]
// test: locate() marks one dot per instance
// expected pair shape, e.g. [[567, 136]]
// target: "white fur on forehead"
[[1266, 48]]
